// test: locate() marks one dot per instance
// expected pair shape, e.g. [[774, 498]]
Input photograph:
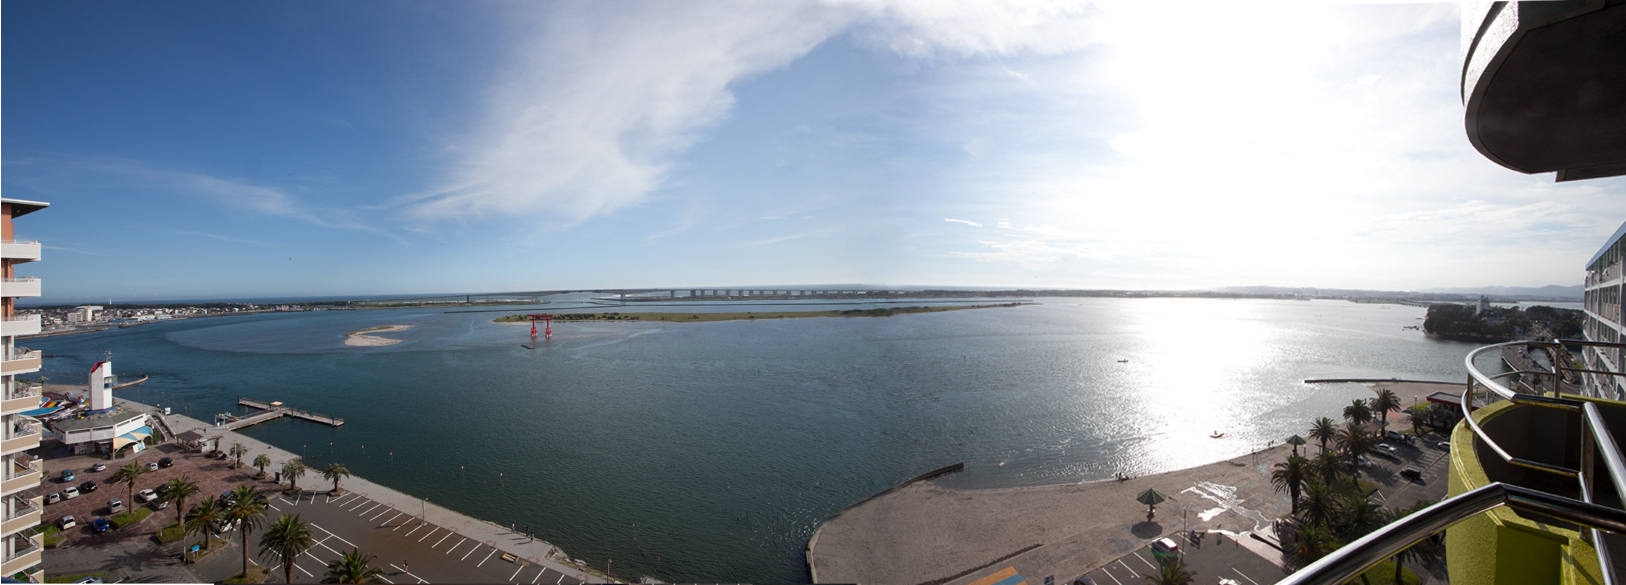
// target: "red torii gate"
[[548, 318]]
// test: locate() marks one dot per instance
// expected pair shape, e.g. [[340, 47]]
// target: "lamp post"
[[423, 513]]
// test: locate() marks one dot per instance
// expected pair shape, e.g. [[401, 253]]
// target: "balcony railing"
[[22, 468], [23, 392], [25, 250], [20, 430], [20, 546], [20, 354], [21, 507]]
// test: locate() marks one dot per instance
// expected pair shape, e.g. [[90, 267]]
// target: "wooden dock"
[[275, 410]]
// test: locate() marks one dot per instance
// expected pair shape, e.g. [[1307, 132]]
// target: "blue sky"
[[252, 149]]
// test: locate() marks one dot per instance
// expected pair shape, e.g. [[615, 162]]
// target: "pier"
[[275, 410]]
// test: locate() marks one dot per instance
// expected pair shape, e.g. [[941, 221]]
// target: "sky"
[[196, 149]]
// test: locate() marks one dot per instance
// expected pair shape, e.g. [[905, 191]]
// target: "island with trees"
[[1497, 324]]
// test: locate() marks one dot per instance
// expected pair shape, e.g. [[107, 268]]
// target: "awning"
[[120, 441]]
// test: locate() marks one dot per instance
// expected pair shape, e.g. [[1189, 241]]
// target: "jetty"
[[273, 410]]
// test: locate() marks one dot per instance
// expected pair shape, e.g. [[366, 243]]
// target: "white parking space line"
[[429, 534], [442, 539], [335, 536], [384, 579], [1250, 579], [488, 557], [398, 527], [1149, 565], [359, 502], [516, 573], [1126, 566], [420, 579], [420, 527], [539, 575], [471, 551], [369, 510], [274, 505], [346, 499], [454, 547], [387, 510], [1104, 571], [392, 518], [561, 579], [302, 570]]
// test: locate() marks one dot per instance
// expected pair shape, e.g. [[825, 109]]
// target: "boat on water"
[[1216, 435]]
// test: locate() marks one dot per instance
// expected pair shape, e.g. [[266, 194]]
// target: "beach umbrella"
[[1151, 498], [1295, 441]]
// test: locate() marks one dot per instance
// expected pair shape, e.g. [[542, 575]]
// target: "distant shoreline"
[[713, 317]]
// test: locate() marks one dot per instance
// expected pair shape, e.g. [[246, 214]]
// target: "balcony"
[[21, 553], [20, 250], [25, 398], [25, 513], [22, 474], [21, 362], [23, 286], [21, 436], [19, 325]]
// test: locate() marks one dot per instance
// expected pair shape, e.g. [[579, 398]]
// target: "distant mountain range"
[[1510, 293]]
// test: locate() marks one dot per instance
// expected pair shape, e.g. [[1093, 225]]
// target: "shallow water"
[[711, 451]]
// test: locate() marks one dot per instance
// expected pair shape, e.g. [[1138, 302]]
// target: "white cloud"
[[969, 223]]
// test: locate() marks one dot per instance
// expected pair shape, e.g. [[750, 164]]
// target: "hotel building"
[[20, 506]]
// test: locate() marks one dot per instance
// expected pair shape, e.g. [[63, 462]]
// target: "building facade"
[[1603, 319], [20, 507]]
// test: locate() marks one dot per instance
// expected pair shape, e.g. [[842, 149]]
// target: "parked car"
[[152, 466], [1083, 581], [101, 525], [160, 504], [1444, 446], [70, 492], [115, 506], [1165, 547], [99, 467], [53, 497], [145, 496], [1386, 450], [67, 522], [1362, 461], [224, 528], [68, 476], [226, 498], [1411, 474], [1394, 435], [87, 487], [166, 462]]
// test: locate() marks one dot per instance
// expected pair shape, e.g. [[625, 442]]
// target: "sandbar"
[[363, 339]]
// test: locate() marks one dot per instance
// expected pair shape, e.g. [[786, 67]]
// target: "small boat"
[[1123, 361], [527, 346], [1216, 435]]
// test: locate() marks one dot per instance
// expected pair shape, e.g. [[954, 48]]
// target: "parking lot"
[[408, 550], [212, 477], [1212, 558]]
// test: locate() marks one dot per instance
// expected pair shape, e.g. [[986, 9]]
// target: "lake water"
[[711, 451]]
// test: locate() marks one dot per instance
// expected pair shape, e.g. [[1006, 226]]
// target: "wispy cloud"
[[794, 237], [969, 223], [228, 239], [50, 247]]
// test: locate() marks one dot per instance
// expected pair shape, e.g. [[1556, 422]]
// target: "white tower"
[[101, 384]]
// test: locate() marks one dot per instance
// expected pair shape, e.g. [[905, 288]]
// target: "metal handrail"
[[19, 279], [21, 318], [1352, 560], [23, 355]]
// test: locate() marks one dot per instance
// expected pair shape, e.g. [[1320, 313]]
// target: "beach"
[[364, 337]]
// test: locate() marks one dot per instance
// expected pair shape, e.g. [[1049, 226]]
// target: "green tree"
[[1360, 516], [1385, 403], [1358, 412], [285, 540], [1424, 551], [333, 472], [245, 512], [1318, 503], [1171, 572], [260, 461], [1311, 542], [129, 475], [292, 470], [179, 490], [1323, 430], [1290, 475], [1355, 442], [1328, 465], [238, 450], [352, 567], [203, 518]]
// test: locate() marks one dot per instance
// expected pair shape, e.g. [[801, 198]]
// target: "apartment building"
[[20, 505]]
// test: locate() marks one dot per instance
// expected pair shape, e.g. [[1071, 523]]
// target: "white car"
[[1362, 461], [70, 492], [145, 496], [66, 522], [152, 466]]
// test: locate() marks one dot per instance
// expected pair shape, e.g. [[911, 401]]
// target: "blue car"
[[67, 475], [101, 525]]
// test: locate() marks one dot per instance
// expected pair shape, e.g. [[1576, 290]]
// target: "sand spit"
[[364, 339], [925, 533]]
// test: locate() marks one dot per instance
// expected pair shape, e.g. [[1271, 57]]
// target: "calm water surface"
[[711, 451]]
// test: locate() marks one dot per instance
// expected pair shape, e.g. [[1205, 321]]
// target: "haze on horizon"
[[257, 149]]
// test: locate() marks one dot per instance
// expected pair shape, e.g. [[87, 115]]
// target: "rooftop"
[[100, 420]]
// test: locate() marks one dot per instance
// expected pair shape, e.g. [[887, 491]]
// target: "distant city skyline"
[[194, 150]]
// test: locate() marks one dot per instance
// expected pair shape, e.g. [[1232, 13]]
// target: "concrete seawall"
[[812, 569]]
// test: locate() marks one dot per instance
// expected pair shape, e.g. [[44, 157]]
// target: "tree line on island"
[[1498, 324]]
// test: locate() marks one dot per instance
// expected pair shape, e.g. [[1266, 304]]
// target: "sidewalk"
[[535, 552]]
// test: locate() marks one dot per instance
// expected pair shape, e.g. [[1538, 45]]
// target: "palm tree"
[[1311, 543], [246, 512], [1318, 503], [128, 475], [261, 461], [1355, 442], [1171, 572], [1424, 551], [293, 469], [286, 539], [1328, 465], [1361, 517], [352, 567], [203, 518], [333, 472], [238, 451], [1358, 412], [1289, 475], [177, 492], [1385, 403], [1324, 431]]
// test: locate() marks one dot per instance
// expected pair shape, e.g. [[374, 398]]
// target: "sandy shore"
[[925, 533], [364, 338], [1411, 393]]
